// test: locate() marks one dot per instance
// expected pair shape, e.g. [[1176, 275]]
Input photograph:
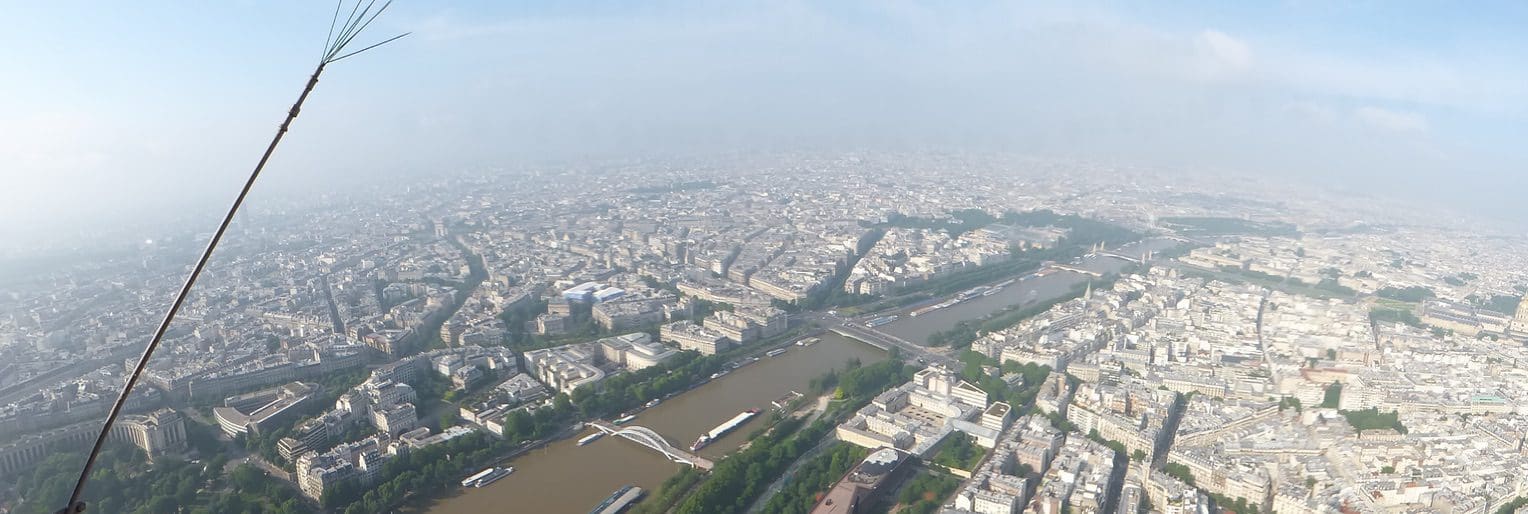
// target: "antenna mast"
[[335, 46]]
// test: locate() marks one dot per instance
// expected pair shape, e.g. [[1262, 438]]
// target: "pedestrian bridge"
[[1126, 258], [647, 437], [1075, 269]]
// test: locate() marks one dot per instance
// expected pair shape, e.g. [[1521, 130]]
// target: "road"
[[774, 487], [267, 467], [854, 328], [1170, 428]]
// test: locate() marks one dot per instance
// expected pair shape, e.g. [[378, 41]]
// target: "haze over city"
[[121, 105], [764, 257]]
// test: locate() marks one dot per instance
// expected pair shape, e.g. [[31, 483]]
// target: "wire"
[[389, 40], [352, 28]]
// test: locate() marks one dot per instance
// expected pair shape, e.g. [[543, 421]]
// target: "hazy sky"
[[104, 106]]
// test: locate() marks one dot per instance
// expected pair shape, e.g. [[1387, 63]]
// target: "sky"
[[125, 111]]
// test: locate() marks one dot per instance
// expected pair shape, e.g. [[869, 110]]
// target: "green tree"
[[1180, 472], [1333, 396]]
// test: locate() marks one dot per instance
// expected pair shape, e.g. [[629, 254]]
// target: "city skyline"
[[1401, 99], [701, 257], [1070, 336]]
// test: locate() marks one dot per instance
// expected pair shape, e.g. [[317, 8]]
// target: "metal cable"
[[333, 46], [75, 505]]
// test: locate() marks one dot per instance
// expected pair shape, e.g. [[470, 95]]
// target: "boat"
[[775, 352], [881, 321], [624, 419], [487, 476], [991, 292], [722, 429], [971, 293], [784, 401], [925, 310], [590, 438], [618, 500], [653, 403], [1003, 284], [807, 342]]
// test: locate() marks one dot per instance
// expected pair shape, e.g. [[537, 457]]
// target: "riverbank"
[[584, 475]]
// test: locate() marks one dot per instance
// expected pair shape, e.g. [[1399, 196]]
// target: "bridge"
[[1126, 258], [647, 437], [886, 341], [1075, 269]]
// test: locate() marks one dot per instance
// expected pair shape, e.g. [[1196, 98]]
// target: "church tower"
[[1520, 321]]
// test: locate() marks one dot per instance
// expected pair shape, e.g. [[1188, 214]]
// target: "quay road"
[[790, 472]]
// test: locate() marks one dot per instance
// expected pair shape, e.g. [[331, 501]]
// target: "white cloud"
[[1397, 121], [1227, 53]]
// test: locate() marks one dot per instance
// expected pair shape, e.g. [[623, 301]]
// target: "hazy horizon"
[[1419, 101]]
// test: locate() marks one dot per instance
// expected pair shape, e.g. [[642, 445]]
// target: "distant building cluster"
[[385, 402], [907, 257], [1307, 353]]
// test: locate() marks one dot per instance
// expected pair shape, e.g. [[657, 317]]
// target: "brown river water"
[[566, 478]]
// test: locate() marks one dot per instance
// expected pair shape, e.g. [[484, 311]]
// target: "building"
[[314, 434], [262, 410], [522, 388], [548, 324], [635, 351], [305, 362], [997, 416], [566, 368], [629, 314], [690, 336], [581, 293], [156, 433], [467, 364], [856, 491], [559, 307], [767, 320], [733, 327], [395, 419], [1520, 320], [361, 461], [916, 415], [421, 437]]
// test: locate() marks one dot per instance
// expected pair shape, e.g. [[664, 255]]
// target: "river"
[[916, 329], [566, 478]]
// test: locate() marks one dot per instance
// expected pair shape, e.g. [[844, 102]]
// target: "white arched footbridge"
[[647, 437]]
